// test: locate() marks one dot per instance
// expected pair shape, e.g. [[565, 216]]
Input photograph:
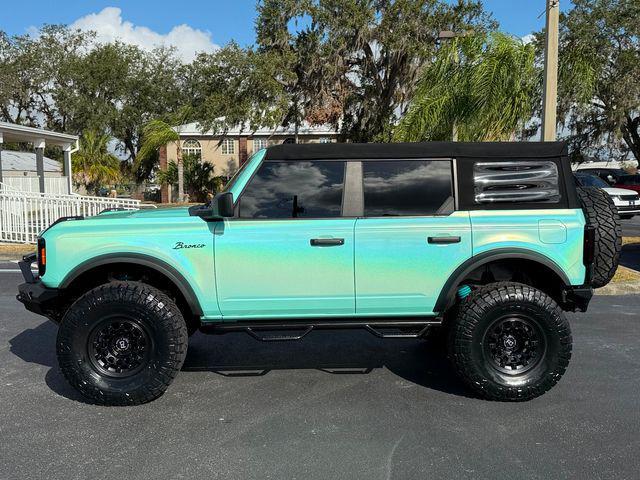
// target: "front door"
[[410, 239], [289, 251]]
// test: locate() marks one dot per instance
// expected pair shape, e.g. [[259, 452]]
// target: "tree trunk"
[[631, 135], [180, 173]]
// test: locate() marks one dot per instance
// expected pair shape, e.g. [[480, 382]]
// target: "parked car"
[[626, 201], [629, 182], [609, 175], [488, 243]]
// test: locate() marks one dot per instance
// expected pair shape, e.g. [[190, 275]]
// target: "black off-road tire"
[[473, 345], [137, 317], [602, 214]]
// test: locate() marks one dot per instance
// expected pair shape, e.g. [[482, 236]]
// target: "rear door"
[[410, 238]]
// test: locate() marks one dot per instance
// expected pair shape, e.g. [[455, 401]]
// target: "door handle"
[[326, 242], [443, 240]]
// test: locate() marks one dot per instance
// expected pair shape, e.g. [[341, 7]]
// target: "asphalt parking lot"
[[335, 405]]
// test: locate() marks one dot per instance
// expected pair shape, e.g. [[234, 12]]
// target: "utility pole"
[[550, 95]]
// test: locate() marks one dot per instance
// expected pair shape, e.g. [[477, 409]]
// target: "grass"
[[625, 275], [15, 251]]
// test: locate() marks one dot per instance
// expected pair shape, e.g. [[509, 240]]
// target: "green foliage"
[[93, 166], [156, 133], [62, 81], [354, 63], [198, 177], [236, 86], [483, 85], [599, 70]]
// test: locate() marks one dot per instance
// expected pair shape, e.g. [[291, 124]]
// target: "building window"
[[192, 147], [228, 146], [260, 143], [324, 140]]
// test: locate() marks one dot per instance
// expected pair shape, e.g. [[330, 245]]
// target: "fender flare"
[[159, 266], [449, 289]]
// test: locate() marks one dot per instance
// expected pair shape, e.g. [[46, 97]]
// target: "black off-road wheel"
[[509, 342], [602, 214], [122, 343]]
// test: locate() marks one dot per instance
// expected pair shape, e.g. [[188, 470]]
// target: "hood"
[[151, 213], [619, 191]]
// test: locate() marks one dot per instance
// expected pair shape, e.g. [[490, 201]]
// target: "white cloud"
[[528, 38], [109, 27]]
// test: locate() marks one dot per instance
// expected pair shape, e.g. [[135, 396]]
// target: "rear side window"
[[293, 189], [516, 182], [406, 187]]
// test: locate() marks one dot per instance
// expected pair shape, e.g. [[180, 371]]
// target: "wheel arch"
[[448, 292], [146, 261]]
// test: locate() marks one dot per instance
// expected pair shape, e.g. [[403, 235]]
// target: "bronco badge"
[[180, 245]]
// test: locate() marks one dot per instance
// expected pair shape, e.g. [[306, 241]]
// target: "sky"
[[198, 25]]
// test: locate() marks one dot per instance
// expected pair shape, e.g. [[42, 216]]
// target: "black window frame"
[[358, 180]]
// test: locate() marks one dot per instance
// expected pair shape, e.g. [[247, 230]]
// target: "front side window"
[[228, 146], [406, 187], [292, 189]]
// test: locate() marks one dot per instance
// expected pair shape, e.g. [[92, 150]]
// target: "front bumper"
[[628, 210], [33, 294]]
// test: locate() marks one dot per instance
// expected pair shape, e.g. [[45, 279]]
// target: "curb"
[[622, 288]]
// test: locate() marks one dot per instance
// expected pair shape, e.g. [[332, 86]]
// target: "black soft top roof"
[[314, 151]]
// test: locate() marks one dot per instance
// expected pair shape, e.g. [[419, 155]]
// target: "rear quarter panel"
[[555, 234]]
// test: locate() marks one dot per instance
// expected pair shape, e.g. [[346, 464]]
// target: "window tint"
[[294, 189], [405, 187]]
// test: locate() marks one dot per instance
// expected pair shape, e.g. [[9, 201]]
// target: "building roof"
[[11, 132], [194, 130], [26, 162], [516, 150]]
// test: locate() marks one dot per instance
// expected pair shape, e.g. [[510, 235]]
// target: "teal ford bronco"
[[481, 245]]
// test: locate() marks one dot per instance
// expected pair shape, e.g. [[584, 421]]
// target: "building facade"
[[33, 171], [229, 151]]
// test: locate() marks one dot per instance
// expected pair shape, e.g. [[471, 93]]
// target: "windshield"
[[591, 181]]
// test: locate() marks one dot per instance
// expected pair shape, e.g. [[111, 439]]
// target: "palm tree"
[[92, 164], [157, 133], [483, 87]]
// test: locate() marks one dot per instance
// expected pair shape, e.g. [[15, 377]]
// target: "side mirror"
[[224, 204], [221, 206]]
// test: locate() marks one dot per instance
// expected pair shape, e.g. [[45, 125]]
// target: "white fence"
[[56, 185], [25, 214]]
